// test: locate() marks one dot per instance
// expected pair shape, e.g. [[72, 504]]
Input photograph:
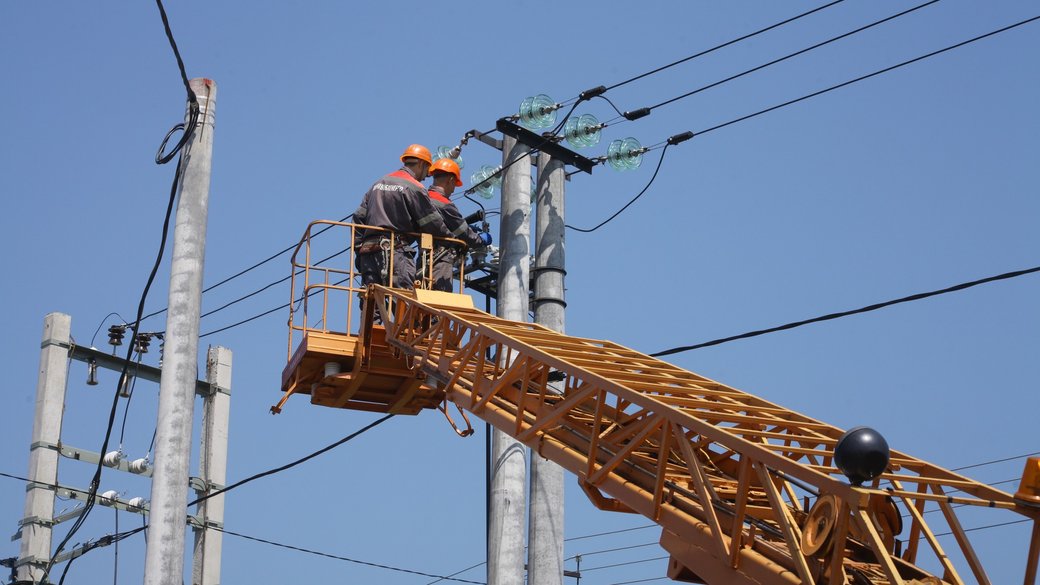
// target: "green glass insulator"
[[624, 154], [538, 111], [482, 184], [445, 152], [583, 131]]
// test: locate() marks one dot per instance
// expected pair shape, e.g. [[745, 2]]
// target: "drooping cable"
[[866, 309], [189, 130], [115, 551], [90, 545], [306, 458], [104, 541], [126, 407], [96, 480], [102, 324], [626, 206], [108, 540]]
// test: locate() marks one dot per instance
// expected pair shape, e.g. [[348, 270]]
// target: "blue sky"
[[911, 181]]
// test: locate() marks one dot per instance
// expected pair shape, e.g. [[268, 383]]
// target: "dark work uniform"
[[445, 258], [397, 202]]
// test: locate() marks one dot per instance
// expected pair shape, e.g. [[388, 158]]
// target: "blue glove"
[[485, 238]]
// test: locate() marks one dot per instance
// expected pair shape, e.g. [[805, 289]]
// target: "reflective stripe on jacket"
[[453, 219], [399, 202]]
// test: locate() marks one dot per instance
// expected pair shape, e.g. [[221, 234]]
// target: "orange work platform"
[[744, 490]]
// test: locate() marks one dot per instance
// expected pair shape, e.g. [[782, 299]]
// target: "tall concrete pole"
[[164, 558], [35, 549], [509, 457], [216, 409], [545, 533]]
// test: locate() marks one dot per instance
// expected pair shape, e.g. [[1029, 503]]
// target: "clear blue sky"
[[911, 181]]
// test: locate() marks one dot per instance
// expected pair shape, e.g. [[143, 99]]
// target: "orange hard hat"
[[447, 165], [417, 151]]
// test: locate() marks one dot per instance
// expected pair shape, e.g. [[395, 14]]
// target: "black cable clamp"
[[588, 94], [636, 114], [682, 137]]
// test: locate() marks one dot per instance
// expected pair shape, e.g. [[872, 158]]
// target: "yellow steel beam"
[[642, 431]]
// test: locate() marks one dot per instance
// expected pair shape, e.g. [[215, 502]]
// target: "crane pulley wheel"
[[819, 526], [887, 520]]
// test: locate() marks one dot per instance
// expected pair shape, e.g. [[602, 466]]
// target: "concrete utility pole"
[[43, 457], [545, 533], [216, 408], [506, 537], [164, 558]]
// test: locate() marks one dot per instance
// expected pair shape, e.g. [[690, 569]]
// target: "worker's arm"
[[426, 218], [361, 213], [457, 225]]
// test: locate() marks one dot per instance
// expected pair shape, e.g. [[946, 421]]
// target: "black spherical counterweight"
[[861, 454]]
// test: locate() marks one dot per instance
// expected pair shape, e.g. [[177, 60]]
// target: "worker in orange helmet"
[[446, 176], [398, 203]]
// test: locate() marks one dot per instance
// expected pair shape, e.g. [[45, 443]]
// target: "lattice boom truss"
[[727, 475]]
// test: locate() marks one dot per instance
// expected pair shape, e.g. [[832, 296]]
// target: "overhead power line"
[[303, 459], [459, 572], [600, 90], [104, 541], [665, 143], [343, 558], [675, 139], [610, 550], [624, 564], [647, 580], [108, 539], [278, 308], [689, 134], [868, 308], [792, 55], [869, 75], [723, 45], [254, 266], [651, 559], [991, 462]]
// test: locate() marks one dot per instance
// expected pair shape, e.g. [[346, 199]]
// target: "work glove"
[[485, 238]]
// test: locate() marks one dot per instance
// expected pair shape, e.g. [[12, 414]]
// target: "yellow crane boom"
[[745, 491]]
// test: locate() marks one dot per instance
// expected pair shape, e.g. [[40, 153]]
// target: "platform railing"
[[324, 288]]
